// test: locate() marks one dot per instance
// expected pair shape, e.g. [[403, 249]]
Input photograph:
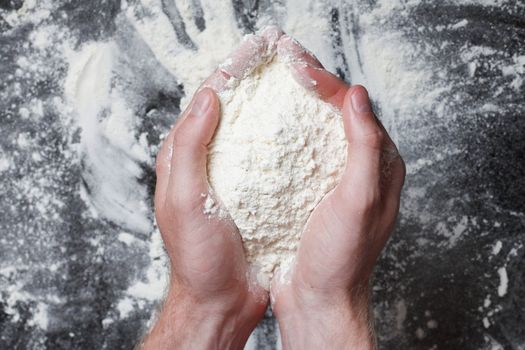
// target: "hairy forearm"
[[311, 331], [329, 324], [184, 323]]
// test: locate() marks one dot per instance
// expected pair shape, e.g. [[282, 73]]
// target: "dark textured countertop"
[[79, 262]]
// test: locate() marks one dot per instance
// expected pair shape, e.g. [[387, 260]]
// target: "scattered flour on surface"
[[497, 248], [108, 143], [503, 281], [125, 307], [211, 46], [384, 55], [486, 322], [278, 150], [4, 164]]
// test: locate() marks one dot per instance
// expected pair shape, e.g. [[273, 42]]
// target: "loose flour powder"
[[277, 151]]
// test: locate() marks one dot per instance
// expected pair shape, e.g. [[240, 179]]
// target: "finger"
[[254, 50], [309, 72], [163, 160], [360, 182], [188, 179], [246, 57], [239, 63], [271, 35], [293, 52]]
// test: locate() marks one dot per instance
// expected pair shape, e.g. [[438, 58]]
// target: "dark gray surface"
[[47, 232]]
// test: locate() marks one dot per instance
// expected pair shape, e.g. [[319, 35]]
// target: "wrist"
[[187, 322], [321, 319]]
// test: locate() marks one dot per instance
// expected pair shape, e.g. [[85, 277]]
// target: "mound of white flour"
[[277, 151]]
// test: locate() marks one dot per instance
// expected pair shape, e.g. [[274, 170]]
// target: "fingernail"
[[202, 103], [361, 102]]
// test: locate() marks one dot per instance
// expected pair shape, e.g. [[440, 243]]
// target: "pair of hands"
[[212, 301]]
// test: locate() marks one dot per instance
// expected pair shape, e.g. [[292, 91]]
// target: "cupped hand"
[[326, 291], [212, 300]]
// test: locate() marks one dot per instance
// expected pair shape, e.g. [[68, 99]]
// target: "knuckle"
[[375, 139], [184, 203]]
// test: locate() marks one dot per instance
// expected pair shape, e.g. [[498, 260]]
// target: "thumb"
[[360, 183], [188, 178]]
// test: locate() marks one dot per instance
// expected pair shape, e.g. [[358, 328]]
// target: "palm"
[[348, 229], [206, 261], [337, 244]]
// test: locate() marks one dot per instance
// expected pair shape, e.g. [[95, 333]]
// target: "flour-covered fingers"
[[239, 64], [309, 72], [271, 35], [188, 179], [163, 160], [254, 50], [328, 86], [294, 53], [362, 177], [217, 81]]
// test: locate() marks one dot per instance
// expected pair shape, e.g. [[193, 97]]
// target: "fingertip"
[[310, 73], [358, 87], [271, 31], [202, 118], [207, 114], [361, 125], [357, 104], [202, 103], [285, 47], [271, 35], [210, 95], [246, 57], [217, 81], [359, 99], [294, 53], [190, 148]]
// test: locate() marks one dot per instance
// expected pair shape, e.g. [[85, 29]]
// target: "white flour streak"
[[109, 148], [213, 44], [517, 71], [157, 274], [503, 281], [497, 248]]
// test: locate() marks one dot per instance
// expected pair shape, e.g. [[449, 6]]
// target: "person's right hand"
[[212, 300], [323, 301]]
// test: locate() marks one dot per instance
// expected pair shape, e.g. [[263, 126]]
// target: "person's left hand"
[[323, 301]]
